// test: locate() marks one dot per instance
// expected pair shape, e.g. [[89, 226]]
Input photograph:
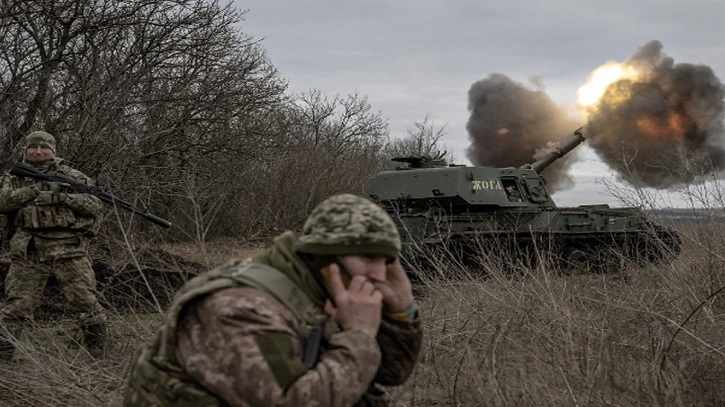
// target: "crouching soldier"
[[318, 319]]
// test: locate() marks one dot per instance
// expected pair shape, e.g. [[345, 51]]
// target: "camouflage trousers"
[[26, 281]]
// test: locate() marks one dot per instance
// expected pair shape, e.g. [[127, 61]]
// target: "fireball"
[[590, 93], [673, 126]]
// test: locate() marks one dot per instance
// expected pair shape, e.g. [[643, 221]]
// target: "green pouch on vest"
[[47, 217], [278, 351]]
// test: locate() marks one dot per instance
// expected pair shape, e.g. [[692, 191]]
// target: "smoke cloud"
[[660, 125], [664, 127], [511, 125]]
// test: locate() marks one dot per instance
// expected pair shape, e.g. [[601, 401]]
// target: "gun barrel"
[[563, 149]]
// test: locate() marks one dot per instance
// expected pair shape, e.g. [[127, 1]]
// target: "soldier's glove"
[[48, 186], [51, 198]]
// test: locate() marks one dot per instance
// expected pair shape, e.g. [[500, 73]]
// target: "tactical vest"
[[52, 216], [157, 379], [46, 217]]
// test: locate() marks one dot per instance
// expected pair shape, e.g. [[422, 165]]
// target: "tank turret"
[[438, 204]]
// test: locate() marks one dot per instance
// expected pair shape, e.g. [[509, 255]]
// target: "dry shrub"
[[643, 337], [51, 368], [215, 252]]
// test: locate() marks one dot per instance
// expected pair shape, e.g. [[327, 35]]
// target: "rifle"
[[24, 170]]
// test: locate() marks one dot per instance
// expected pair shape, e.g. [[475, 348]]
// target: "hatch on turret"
[[512, 190], [536, 190], [423, 161]]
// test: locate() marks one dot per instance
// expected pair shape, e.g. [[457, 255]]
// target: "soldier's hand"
[[45, 198], [397, 290], [357, 307], [26, 194], [50, 186]]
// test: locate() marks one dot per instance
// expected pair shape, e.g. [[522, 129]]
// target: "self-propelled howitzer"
[[474, 212]]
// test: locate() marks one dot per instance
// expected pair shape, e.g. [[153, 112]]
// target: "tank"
[[476, 212]]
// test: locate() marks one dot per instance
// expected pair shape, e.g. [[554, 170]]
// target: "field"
[[647, 336]]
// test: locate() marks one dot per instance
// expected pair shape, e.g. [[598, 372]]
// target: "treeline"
[[169, 103]]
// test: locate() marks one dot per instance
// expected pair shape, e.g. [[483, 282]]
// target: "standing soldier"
[[51, 235], [314, 320]]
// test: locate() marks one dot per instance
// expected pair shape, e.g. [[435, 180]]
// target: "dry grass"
[[216, 252], [649, 336], [51, 368]]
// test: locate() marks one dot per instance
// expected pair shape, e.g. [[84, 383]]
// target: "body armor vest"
[[157, 379]]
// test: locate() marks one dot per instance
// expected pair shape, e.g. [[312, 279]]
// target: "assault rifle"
[[24, 170]]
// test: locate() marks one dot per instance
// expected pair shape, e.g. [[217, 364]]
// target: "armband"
[[410, 313]]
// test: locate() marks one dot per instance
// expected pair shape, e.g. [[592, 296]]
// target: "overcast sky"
[[418, 58]]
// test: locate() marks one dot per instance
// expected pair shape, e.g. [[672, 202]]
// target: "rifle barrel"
[[21, 169]]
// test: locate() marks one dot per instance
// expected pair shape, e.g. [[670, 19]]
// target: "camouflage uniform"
[[50, 239], [240, 345]]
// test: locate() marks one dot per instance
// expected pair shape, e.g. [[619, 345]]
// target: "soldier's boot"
[[94, 339]]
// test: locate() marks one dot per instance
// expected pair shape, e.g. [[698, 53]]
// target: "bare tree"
[[322, 146], [138, 92], [155, 78], [160, 99], [423, 140]]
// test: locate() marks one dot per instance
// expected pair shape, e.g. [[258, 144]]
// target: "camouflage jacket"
[[245, 348], [56, 231]]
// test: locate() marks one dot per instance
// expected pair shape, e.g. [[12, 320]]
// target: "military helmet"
[[348, 224], [40, 138]]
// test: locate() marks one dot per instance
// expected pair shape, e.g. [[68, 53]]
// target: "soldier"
[[51, 234], [314, 320], [513, 194]]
